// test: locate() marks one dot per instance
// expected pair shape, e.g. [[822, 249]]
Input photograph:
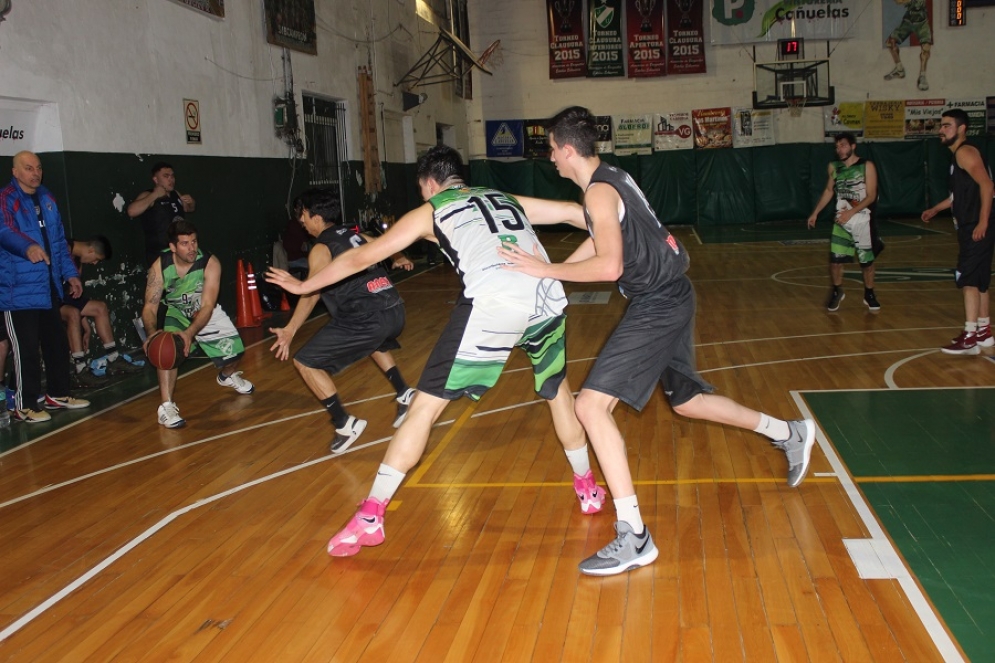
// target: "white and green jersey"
[[471, 224], [184, 292]]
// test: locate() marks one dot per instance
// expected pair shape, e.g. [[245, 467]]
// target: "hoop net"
[[492, 54], [795, 106]]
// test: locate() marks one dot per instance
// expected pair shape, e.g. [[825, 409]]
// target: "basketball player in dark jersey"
[[654, 340], [367, 316], [971, 199]]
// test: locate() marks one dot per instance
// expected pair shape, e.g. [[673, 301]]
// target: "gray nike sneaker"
[[626, 552], [798, 449]]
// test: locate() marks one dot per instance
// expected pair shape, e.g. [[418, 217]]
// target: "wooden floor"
[[123, 541]]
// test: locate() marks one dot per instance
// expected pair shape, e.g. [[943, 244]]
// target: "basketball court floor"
[[123, 541]]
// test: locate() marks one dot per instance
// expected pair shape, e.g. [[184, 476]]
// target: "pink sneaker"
[[590, 494], [365, 529], [984, 337]]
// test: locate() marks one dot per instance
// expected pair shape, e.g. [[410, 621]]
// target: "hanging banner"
[[291, 23], [17, 130], [567, 58], [604, 145], [604, 39], [884, 119], [922, 117], [647, 51], [991, 114], [633, 134], [672, 131], [504, 138], [846, 117], [536, 143], [746, 21], [712, 128], [752, 127], [685, 37], [214, 8]]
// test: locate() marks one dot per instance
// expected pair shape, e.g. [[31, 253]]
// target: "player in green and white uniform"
[[181, 296], [497, 311], [853, 182]]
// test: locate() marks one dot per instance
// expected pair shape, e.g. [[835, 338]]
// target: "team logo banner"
[[672, 131], [504, 138], [712, 128], [567, 57], [633, 134], [647, 51], [604, 39], [685, 37], [742, 21]]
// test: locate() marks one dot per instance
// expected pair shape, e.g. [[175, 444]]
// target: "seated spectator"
[[78, 312]]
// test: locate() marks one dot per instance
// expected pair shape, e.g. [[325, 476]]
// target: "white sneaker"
[[236, 382], [345, 436], [403, 402], [897, 72], [169, 415]]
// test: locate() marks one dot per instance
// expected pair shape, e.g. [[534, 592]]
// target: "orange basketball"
[[165, 350]]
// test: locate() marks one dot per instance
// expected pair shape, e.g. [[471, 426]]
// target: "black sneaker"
[[835, 298], [871, 301]]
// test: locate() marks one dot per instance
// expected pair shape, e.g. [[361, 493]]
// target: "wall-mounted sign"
[[191, 120]]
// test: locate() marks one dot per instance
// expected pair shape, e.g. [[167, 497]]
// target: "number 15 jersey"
[[471, 224]]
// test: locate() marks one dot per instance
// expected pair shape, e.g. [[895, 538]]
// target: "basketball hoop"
[[795, 106], [492, 54]]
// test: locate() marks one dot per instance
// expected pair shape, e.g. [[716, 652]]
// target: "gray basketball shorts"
[[653, 342], [347, 339]]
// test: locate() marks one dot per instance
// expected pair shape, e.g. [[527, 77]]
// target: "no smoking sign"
[[191, 120]]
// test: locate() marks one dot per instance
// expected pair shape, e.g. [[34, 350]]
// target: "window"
[[324, 132]]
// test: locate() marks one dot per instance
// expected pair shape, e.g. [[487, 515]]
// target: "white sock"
[[579, 460], [111, 350], [984, 322], [386, 484], [971, 327], [775, 429], [79, 360], [627, 510]]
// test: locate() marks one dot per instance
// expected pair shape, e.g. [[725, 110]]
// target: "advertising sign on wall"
[[672, 131], [884, 119], [752, 127], [712, 128], [845, 117], [745, 21], [504, 138], [633, 134]]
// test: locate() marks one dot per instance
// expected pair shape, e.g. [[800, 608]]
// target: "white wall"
[[117, 73], [962, 65]]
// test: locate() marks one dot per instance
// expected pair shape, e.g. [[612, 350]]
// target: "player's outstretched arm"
[[543, 212], [415, 225]]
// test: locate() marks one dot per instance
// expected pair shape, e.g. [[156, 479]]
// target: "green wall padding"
[[781, 177], [668, 180], [902, 179], [725, 187]]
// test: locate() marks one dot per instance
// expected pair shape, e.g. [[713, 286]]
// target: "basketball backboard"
[[784, 83]]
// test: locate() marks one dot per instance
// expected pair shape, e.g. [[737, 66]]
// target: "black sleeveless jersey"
[[363, 292], [156, 220], [652, 257], [967, 194]]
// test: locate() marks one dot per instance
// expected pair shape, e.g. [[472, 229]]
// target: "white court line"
[[694, 232], [948, 650], [889, 375], [38, 610]]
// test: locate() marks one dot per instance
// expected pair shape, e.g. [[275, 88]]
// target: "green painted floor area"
[[944, 529], [795, 232]]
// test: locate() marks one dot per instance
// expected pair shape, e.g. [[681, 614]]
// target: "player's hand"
[[148, 339], [37, 254], [403, 263], [281, 347], [845, 216], [811, 221], [157, 193], [927, 215], [522, 261], [979, 232], [186, 199], [75, 287], [187, 340], [283, 279]]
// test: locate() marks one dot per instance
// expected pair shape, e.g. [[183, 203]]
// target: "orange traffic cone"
[[245, 318], [254, 301], [284, 304]]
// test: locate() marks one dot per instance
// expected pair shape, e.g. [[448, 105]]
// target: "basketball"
[[165, 350]]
